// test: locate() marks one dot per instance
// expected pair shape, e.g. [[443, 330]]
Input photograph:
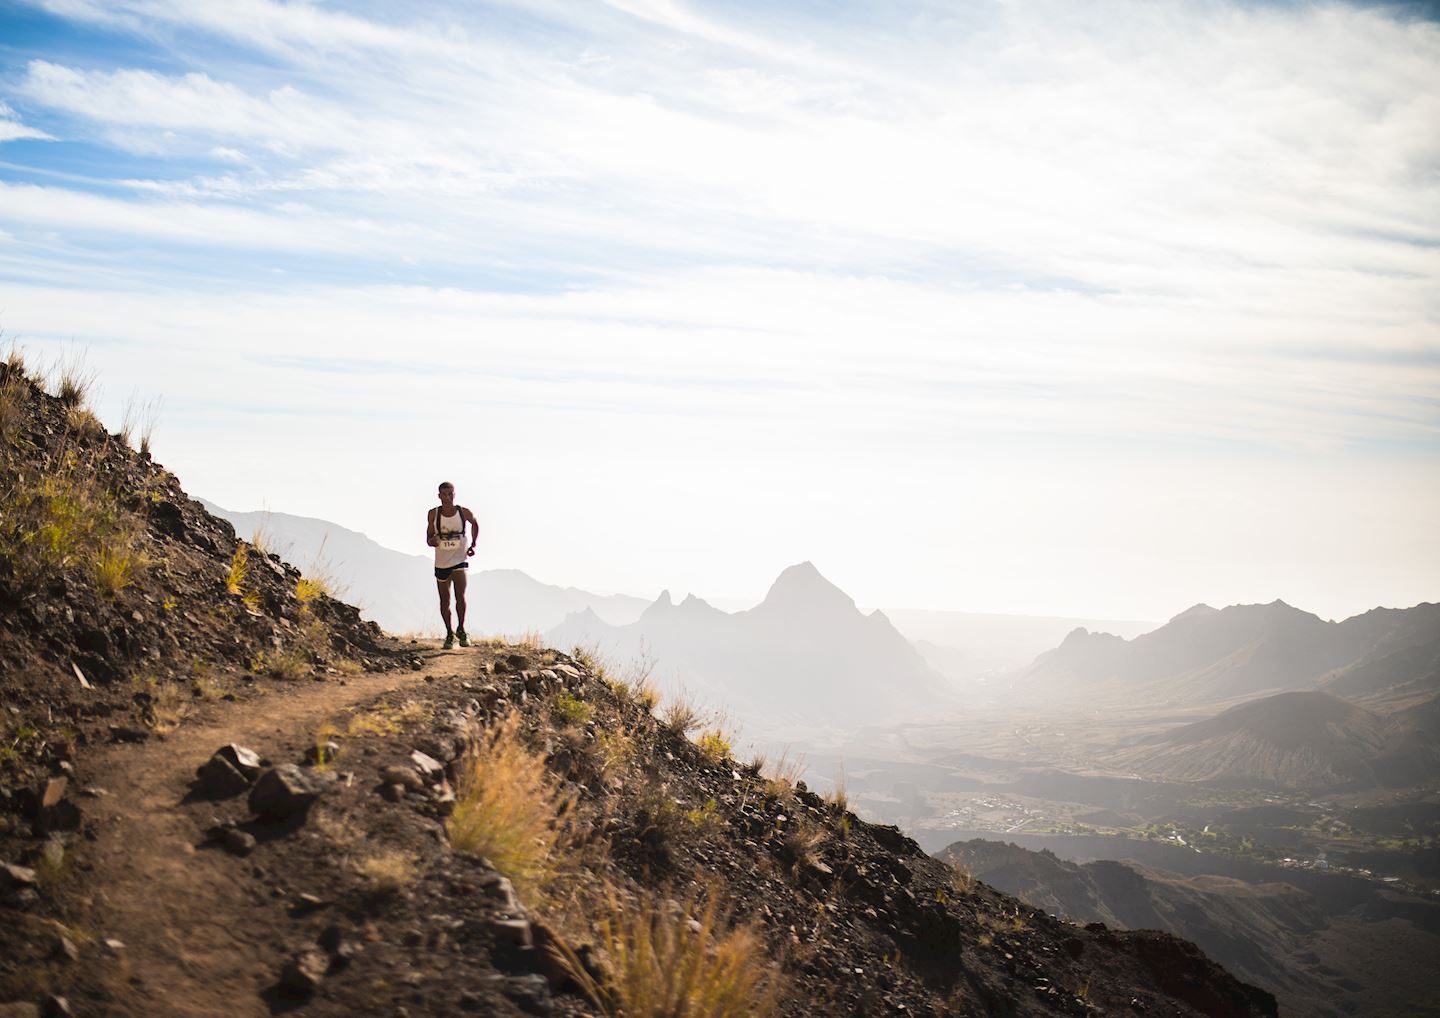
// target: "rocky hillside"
[[194, 826], [1326, 951], [123, 603], [1296, 740]]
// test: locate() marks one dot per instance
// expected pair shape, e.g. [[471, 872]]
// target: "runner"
[[445, 532]]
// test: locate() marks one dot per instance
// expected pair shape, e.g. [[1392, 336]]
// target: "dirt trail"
[[198, 941]]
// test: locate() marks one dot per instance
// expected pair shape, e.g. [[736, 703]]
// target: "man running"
[[445, 532]]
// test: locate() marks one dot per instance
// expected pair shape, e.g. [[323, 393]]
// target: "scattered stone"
[[113, 945], [340, 948], [126, 733], [511, 934], [217, 778], [55, 790], [398, 775], [307, 903], [238, 842], [56, 1006], [65, 948], [17, 876], [302, 974], [530, 993], [392, 793], [244, 760], [288, 790], [499, 890], [430, 769]]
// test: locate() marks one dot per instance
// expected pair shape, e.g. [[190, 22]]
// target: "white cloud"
[[997, 260], [11, 129]]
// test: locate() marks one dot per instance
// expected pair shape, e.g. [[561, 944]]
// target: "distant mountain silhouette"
[[965, 646], [1300, 740], [398, 590], [805, 655], [1204, 655]]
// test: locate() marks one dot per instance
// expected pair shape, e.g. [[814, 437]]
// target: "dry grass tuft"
[[116, 566], [662, 966], [839, 797], [288, 663], [12, 401], [510, 809], [780, 777], [72, 380], [388, 872], [681, 715], [239, 569]]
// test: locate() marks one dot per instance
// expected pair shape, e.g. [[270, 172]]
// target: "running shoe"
[[449, 640], [463, 637]]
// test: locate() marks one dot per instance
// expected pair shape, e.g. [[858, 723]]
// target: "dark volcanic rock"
[[288, 790]]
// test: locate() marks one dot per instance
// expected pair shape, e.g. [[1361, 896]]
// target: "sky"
[[1046, 308]]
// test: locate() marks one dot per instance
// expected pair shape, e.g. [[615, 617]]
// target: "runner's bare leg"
[[443, 588]]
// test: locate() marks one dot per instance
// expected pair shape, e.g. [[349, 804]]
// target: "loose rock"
[[288, 790], [302, 974]]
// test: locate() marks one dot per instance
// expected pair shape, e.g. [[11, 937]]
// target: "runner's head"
[[447, 493]]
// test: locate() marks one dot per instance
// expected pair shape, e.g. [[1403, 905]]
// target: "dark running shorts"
[[444, 574]]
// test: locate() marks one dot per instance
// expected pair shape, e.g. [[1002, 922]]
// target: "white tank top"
[[449, 541]]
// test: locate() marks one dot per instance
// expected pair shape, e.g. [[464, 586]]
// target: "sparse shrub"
[[780, 777], [388, 872], [570, 709], [167, 708], [613, 752], [115, 566], [203, 687], [801, 839], [705, 818], [509, 808], [63, 516], [73, 379], [13, 366], [12, 399], [282, 663], [308, 589], [84, 425], [385, 720], [839, 797], [239, 569], [681, 715], [662, 966], [715, 745]]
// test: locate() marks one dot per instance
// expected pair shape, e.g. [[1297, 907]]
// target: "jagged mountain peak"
[[803, 586]]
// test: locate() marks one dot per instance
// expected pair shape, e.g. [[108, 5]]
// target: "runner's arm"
[[474, 531], [430, 537]]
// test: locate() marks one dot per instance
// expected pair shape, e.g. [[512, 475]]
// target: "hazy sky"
[[1097, 309]]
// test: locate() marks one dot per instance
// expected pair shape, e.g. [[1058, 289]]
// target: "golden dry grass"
[[509, 808], [387, 872], [660, 965]]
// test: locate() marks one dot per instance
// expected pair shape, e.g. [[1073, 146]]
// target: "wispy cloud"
[[1179, 225]]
